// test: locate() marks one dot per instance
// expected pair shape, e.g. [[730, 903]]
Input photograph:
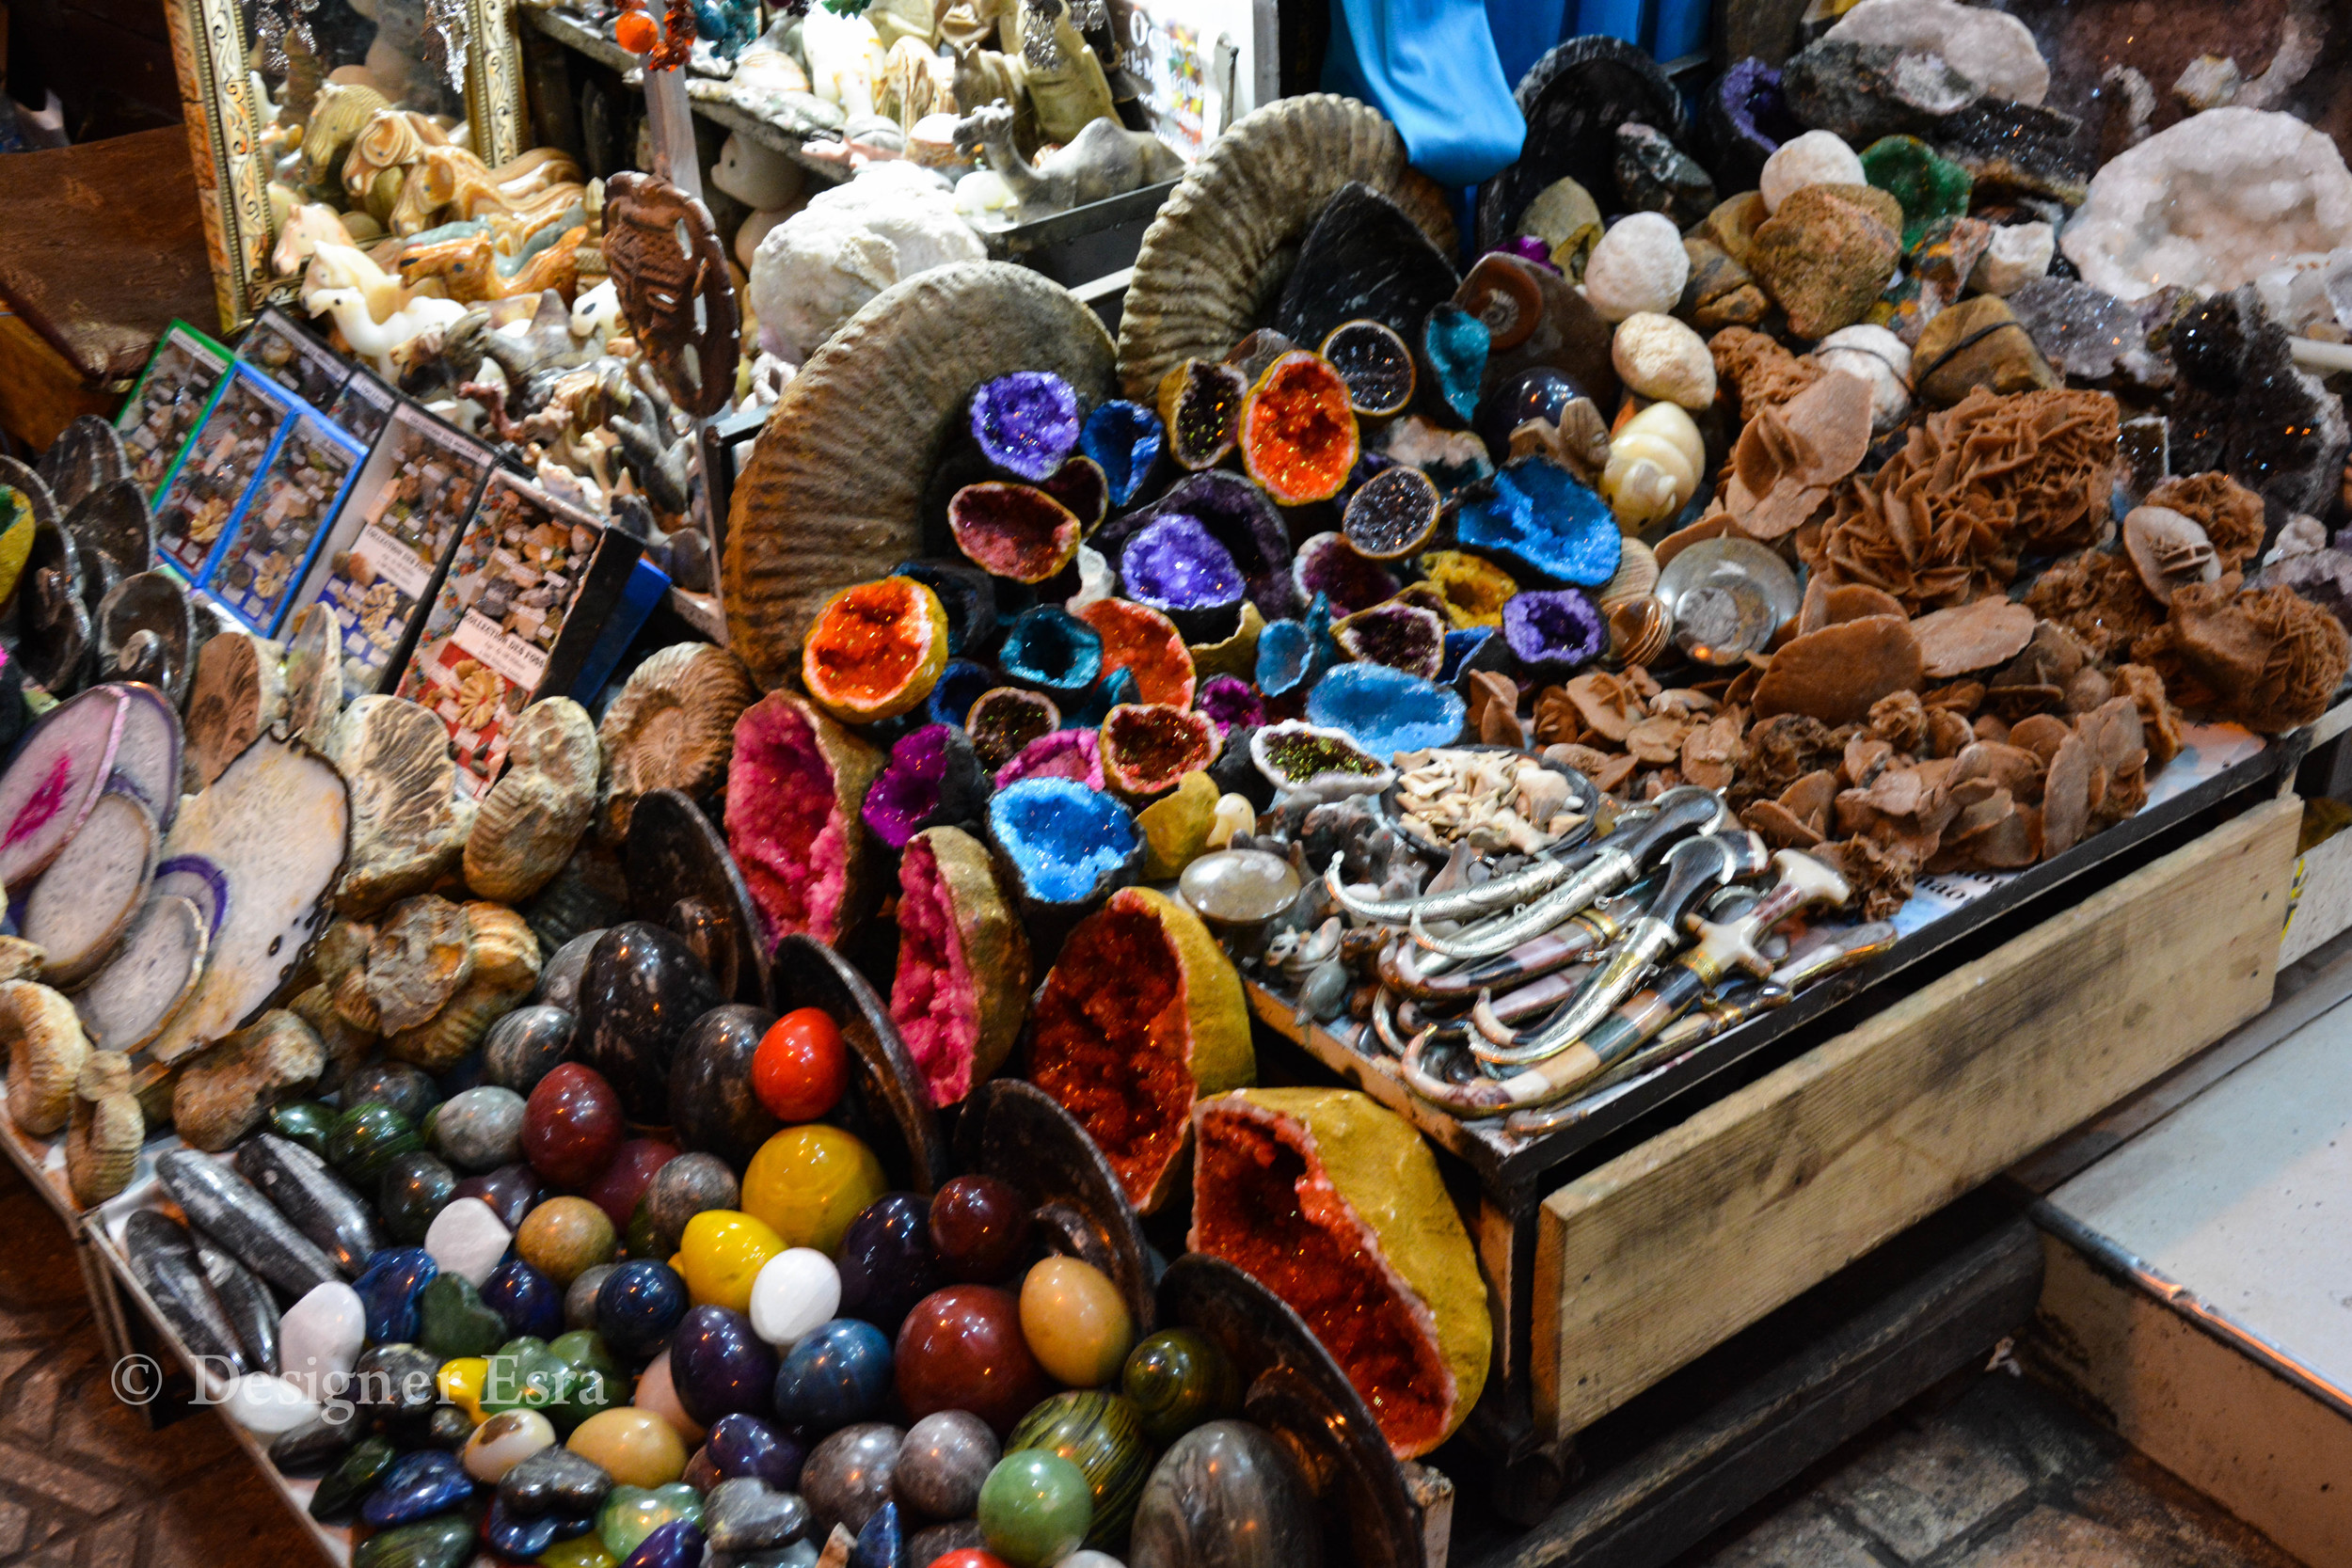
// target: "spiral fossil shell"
[[531, 820], [407, 825], [102, 1143], [1214, 259], [505, 967], [671, 727], [47, 1050], [1636, 575], [833, 490], [239, 691]]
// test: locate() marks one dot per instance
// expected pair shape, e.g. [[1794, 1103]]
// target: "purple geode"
[[1327, 563], [1528, 247], [1075, 755], [1176, 565], [1750, 119], [1237, 515], [1401, 636], [1027, 424], [933, 778], [1231, 703], [1554, 629]]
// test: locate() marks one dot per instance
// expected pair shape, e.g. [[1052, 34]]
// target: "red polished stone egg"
[[572, 1125], [626, 1176], [979, 1228], [961, 1348]]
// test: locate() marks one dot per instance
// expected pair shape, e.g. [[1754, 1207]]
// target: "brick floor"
[[84, 1481], [1994, 1473]]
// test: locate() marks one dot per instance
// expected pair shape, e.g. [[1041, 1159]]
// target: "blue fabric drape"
[[1431, 67]]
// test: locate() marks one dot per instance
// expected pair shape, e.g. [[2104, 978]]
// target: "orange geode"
[[875, 650], [1142, 1014], [1146, 643], [1298, 434]]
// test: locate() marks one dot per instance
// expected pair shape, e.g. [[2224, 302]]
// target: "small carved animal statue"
[[1104, 160]]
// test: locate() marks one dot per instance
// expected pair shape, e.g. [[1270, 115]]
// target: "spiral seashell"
[[505, 971], [534, 817], [1638, 630], [671, 727], [1655, 459], [47, 1050], [1637, 573], [101, 1145], [506, 950]]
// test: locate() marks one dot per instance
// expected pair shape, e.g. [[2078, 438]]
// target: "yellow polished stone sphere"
[[809, 1182], [722, 1253]]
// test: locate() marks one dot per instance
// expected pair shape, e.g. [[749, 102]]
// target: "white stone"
[[818, 267], [1816, 158], [1638, 265], [1660, 358], [1881, 360], [268, 1406], [503, 1442], [1095, 582], [466, 1239], [754, 175], [2019, 253], [2215, 201], [1994, 51], [320, 1337], [2208, 82], [795, 1290]]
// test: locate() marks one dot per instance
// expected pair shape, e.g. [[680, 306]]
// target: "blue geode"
[[1067, 844], [1454, 345], [960, 686], [1542, 517], [1025, 423], [1117, 688], [1386, 711], [1464, 650], [1292, 654], [1553, 630], [1126, 440], [1048, 649]]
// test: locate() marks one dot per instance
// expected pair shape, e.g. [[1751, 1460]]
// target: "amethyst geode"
[[1025, 423], [1237, 514], [933, 779], [1328, 564], [1176, 566], [1401, 636], [1231, 703], [1748, 118], [1553, 630]]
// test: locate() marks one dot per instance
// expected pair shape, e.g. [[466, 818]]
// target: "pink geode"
[[794, 788], [962, 980], [1075, 755]]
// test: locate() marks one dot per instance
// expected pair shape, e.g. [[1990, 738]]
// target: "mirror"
[[276, 91]]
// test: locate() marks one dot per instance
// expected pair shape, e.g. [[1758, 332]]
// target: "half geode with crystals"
[[933, 779], [1553, 630], [1314, 763], [1406, 637], [797, 783], [1146, 747], [961, 986], [1178, 567], [1386, 711], [1025, 423], [1237, 514], [1068, 845]]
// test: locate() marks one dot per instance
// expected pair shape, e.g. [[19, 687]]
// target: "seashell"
[[671, 727], [223, 1094], [505, 952], [47, 1050], [506, 968], [239, 691], [407, 829], [534, 817], [854, 440], [102, 1143], [145, 631], [1637, 573], [1226, 237], [1655, 460], [346, 1044], [420, 957], [314, 676]]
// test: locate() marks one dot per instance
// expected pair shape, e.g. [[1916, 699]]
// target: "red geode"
[[1013, 531], [1147, 746]]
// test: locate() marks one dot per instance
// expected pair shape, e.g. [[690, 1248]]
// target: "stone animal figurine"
[[1104, 160]]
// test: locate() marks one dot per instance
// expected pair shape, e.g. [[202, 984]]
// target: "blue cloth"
[[1525, 31], [1431, 67]]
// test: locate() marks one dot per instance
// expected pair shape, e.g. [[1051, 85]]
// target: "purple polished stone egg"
[[886, 1260], [718, 1366], [744, 1445]]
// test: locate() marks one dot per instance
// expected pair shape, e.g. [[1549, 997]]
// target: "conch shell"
[[47, 1050], [671, 727], [1655, 460], [534, 817], [101, 1145]]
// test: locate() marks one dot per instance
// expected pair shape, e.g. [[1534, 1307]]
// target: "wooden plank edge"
[[1673, 1494], [2266, 831]]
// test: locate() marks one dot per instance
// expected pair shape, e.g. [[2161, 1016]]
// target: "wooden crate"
[[1664, 1252]]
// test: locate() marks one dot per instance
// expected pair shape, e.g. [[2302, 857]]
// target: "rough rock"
[[1827, 254], [1864, 92], [1994, 51]]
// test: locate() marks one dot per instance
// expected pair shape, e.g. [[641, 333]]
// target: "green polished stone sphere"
[[1036, 1508], [1100, 1432], [630, 1513], [365, 1141]]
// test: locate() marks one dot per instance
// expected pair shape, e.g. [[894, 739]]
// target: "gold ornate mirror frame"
[[209, 48]]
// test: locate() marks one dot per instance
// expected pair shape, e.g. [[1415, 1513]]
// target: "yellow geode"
[[1475, 589]]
